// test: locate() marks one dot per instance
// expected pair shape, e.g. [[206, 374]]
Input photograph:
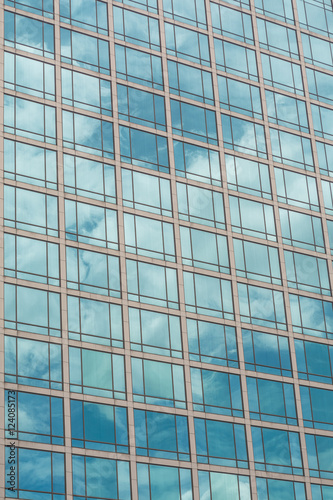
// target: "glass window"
[[330, 233], [146, 192], [143, 326], [286, 111], [37, 364], [85, 51], [306, 272], [314, 361], [89, 178], [271, 401], [322, 121], [317, 51], [91, 224], [40, 7], [161, 435], [266, 353], [204, 249], [30, 211], [36, 418], [296, 189], [277, 451], [30, 164], [261, 306], [151, 284], [29, 76], [190, 82], [50, 480], [86, 92], [149, 5], [232, 23], [99, 427], [32, 310], [212, 343], [247, 176], [135, 28], [216, 392], [158, 383], [274, 489], [291, 149], [302, 230], [100, 478], [320, 85], [214, 484], [87, 134], [29, 119], [96, 372], [30, 259], [220, 443], [319, 450], [30, 35], [315, 16], [239, 97], [327, 188], [144, 149], [283, 10], [141, 107], [258, 262], [149, 237], [94, 321], [92, 272], [282, 74], [235, 59], [197, 163], [311, 316], [317, 407], [244, 4], [187, 44], [208, 295], [189, 11], [244, 136], [91, 15], [139, 67], [321, 492], [277, 38], [155, 480], [252, 218], [201, 206], [193, 122]]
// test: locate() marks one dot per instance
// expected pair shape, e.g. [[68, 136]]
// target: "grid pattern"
[[167, 252]]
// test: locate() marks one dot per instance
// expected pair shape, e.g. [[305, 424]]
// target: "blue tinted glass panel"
[[30, 35], [220, 443], [266, 353], [111, 481], [143, 327], [33, 417], [32, 363], [48, 483], [94, 321], [96, 372], [271, 313], [277, 450], [30, 164], [161, 435], [32, 310], [99, 427], [212, 343], [158, 383]]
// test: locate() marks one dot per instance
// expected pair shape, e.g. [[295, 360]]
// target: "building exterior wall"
[[167, 217]]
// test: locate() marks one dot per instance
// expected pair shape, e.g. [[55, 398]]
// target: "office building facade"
[[167, 187]]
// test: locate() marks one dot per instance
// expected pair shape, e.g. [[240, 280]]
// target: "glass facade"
[[166, 301]]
